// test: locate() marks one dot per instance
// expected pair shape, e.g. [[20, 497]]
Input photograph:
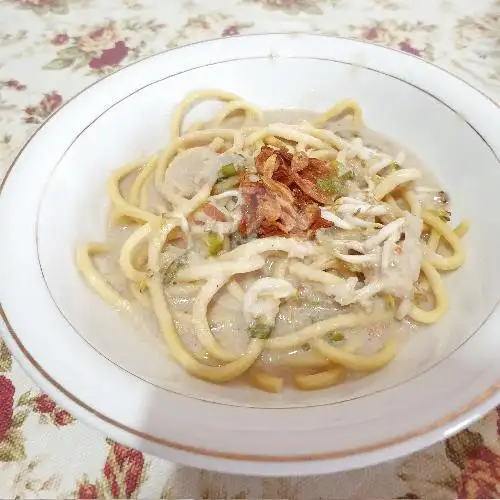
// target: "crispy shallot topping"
[[286, 199]]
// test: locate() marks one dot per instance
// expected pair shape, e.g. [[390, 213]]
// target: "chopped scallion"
[[354, 268], [348, 176], [444, 215], [335, 166], [333, 186], [337, 336], [170, 272], [143, 284], [225, 185], [228, 170], [389, 299], [260, 331], [215, 243]]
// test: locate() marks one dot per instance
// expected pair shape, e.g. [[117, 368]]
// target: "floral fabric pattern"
[[291, 6], [121, 477], [41, 6], [11, 436], [39, 112], [97, 49], [50, 50]]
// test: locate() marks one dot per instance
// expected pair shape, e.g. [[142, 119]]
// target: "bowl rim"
[[451, 423]]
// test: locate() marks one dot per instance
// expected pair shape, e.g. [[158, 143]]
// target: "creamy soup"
[[280, 247]]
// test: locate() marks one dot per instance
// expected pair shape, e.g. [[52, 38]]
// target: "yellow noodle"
[[328, 137], [462, 229], [140, 258], [266, 382], [397, 210], [323, 154], [306, 360], [121, 205], [205, 271], [394, 180], [271, 244], [441, 297], [200, 321], [192, 99], [284, 132], [312, 359], [128, 251], [141, 296], [216, 144], [134, 196], [95, 279], [274, 141], [259, 144], [440, 262], [434, 238], [233, 106], [308, 273], [144, 194], [413, 203], [218, 374], [156, 243], [321, 380], [347, 105], [357, 362], [316, 330]]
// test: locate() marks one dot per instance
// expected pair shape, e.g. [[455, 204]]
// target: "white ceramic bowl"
[[117, 378]]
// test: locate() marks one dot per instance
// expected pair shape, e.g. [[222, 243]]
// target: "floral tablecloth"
[[51, 49]]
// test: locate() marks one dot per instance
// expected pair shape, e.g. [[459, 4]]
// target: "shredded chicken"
[[262, 300]]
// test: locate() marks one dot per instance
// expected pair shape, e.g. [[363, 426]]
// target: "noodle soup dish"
[[247, 254], [275, 247]]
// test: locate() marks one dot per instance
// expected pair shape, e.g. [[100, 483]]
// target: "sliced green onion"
[[228, 170], [215, 243], [225, 185], [143, 284], [389, 300], [354, 268], [337, 336], [348, 176], [260, 331], [170, 271], [444, 215], [332, 186]]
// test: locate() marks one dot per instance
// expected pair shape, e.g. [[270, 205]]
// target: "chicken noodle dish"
[[278, 247]]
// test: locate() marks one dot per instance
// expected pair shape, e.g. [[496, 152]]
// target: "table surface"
[[51, 49]]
